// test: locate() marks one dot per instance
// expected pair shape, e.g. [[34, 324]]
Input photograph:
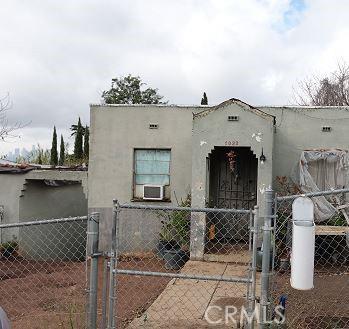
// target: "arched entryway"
[[215, 135], [232, 185]]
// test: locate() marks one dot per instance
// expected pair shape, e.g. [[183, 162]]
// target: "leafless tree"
[[7, 129], [332, 90]]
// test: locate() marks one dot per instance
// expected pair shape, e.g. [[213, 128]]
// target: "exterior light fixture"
[[262, 158]]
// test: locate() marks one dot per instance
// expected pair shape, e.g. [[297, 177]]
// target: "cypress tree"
[[86, 143], [54, 154], [204, 100], [62, 152], [78, 151], [39, 158]]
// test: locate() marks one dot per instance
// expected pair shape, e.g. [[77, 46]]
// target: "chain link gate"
[[325, 306], [152, 283]]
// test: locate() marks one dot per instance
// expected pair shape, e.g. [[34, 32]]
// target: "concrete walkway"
[[184, 303]]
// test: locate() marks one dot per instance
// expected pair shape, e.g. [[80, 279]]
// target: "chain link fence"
[[174, 267], [43, 276], [326, 306], [154, 284]]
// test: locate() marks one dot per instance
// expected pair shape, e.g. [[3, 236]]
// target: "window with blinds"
[[152, 166]]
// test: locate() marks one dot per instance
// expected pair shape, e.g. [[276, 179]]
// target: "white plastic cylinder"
[[303, 244]]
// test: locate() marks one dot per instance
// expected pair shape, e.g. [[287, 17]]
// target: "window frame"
[[134, 197]]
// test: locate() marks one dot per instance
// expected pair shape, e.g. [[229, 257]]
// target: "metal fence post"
[[113, 264], [267, 227], [105, 292], [253, 270], [93, 234], [250, 247]]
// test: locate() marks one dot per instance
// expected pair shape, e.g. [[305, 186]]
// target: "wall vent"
[[153, 192], [326, 129], [233, 118], [153, 126]]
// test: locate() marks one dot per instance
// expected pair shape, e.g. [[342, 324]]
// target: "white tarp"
[[320, 170]]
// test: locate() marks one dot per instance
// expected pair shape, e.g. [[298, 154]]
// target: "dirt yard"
[[324, 307], [136, 293], [52, 294]]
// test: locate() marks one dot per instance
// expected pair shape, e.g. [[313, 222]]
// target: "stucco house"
[[224, 155]]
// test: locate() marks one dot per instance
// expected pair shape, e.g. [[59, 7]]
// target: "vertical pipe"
[[113, 264], [93, 234], [264, 302], [275, 229], [255, 230], [1, 219], [250, 263], [105, 292]]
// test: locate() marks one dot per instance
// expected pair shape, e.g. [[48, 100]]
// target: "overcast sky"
[[58, 56]]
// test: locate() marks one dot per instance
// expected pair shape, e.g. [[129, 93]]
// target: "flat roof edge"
[[149, 105], [186, 106]]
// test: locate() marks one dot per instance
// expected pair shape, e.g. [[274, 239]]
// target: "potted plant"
[[8, 249], [167, 240], [174, 240]]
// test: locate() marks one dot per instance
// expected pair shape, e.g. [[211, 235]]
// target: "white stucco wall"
[[10, 191], [40, 201], [213, 129], [298, 129], [117, 130]]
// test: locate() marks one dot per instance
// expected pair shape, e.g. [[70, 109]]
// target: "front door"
[[233, 184], [233, 178]]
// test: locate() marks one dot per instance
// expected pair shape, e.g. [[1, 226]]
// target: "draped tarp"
[[320, 170]]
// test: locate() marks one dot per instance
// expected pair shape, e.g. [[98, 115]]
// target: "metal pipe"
[[275, 229], [1, 219], [206, 210], [313, 194], [250, 262], [113, 264], [104, 292], [45, 221], [252, 296], [235, 279], [264, 302], [93, 238]]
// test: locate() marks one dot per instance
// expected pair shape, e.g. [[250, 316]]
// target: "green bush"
[[176, 225]]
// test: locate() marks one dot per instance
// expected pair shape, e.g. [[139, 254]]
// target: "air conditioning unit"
[[153, 192]]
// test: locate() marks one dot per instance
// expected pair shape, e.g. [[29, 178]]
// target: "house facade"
[[225, 156]]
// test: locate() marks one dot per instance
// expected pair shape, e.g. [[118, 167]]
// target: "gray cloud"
[[57, 57]]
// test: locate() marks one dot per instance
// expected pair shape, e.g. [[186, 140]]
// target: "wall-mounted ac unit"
[[153, 192]]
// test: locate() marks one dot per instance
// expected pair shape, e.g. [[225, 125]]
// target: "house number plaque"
[[231, 143]]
